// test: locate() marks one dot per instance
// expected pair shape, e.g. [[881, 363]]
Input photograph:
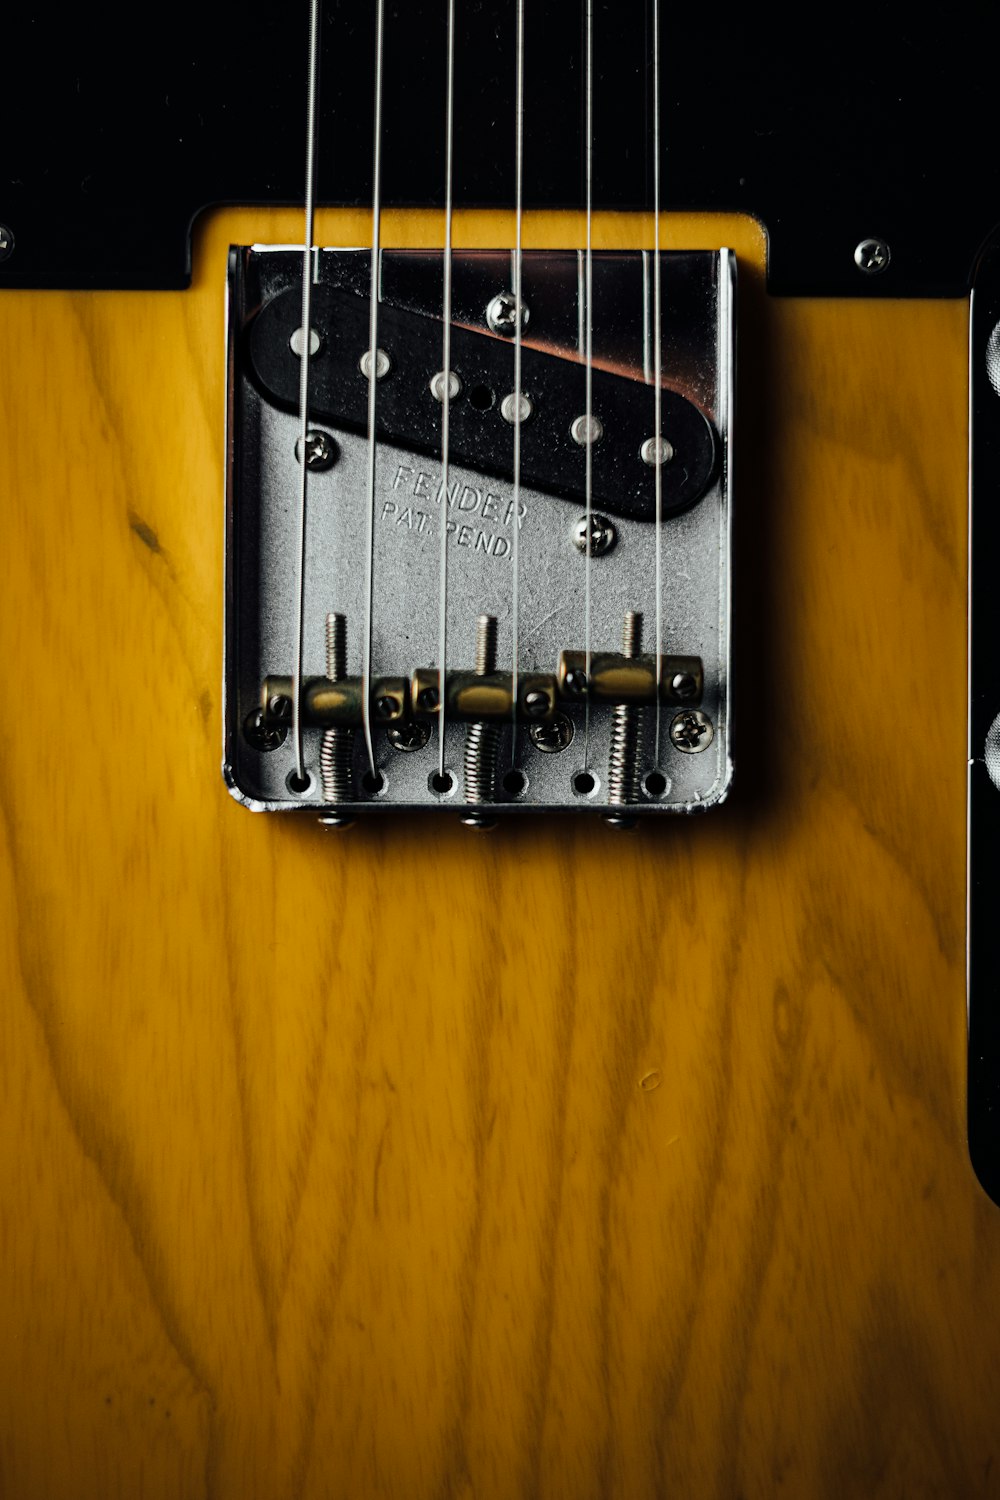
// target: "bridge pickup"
[[408, 414]]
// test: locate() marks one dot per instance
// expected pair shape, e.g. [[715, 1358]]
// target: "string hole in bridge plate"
[[373, 783], [441, 783], [585, 784], [515, 783], [299, 786], [655, 784]]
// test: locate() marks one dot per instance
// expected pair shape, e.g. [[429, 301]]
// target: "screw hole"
[[373, 782], [482, 398], [441, 783], [515, 783], [654, 784], [584, 783], [297, 784]]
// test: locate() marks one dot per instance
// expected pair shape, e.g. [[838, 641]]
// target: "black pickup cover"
[[408, 414]]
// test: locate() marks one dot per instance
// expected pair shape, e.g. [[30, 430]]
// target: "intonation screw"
[[482, 738], [623, 765], [872, 256], [337, 748], [486, 645], [336, 647]]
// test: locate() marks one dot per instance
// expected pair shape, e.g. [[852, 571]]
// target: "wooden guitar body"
[[409, 1161]]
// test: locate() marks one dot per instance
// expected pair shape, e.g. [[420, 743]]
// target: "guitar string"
[[657, 380], [376, 287], [308, 257], [517, 289], [581, 340], [446, 391], [588, 363], [647, 366]]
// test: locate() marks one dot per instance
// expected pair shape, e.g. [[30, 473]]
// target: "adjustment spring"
[[482, 758], [623, 767], [482, 738], [337, 748]]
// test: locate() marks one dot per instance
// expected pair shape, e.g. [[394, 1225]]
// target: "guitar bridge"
[[586, 592]]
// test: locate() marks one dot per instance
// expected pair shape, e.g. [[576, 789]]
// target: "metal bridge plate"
[[541, 765]]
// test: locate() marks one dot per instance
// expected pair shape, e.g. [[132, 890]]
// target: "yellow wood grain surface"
[[554, 1163]]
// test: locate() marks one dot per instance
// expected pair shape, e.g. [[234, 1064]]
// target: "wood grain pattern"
[[411, 1163]]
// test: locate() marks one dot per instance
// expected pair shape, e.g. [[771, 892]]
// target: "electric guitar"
[[351, 1150]]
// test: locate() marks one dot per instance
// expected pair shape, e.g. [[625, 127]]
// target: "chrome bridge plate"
[[565, 764]]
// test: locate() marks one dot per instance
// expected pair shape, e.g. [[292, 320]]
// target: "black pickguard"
[[122, 123]]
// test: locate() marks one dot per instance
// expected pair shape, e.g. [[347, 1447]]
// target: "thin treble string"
[[581, 342], [446, 390], [657, 374], [518, 262], [306, 325], [366, 668], [647, 323], [589, 362]]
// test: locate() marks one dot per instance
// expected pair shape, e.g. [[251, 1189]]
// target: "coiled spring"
[[336, 753], [482, 759], [623, 760]]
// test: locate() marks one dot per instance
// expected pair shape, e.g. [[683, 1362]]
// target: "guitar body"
[[411, 1161]]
